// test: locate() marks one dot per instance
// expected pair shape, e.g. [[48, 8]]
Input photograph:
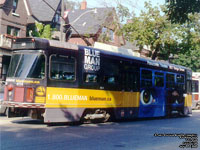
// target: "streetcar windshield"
[[27, 65]]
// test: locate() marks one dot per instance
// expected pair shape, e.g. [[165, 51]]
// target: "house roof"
[[40, 11], [89, 21]]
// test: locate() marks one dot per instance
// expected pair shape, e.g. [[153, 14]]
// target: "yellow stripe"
[[40, 99], [68, 97]]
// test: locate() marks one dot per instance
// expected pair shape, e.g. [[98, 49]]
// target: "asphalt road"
[[151, 134]]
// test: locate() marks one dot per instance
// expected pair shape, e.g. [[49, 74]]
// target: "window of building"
[[15, 2], [13, 31], [111, 35], [62, 68], [107, 34], [57, 18]]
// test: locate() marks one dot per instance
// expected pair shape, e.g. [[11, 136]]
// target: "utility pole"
[[62, 38]]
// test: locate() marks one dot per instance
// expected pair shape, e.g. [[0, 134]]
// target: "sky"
[[133, 5]]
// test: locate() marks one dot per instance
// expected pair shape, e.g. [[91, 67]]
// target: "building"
[[13, 19], [46, 12], [144, 52], [94, 24], [16, 18]]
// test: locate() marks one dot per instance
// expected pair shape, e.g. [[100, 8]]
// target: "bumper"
[[23, 105]]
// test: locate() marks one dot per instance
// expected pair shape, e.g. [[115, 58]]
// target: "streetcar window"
[[62, 68], [13, 66], [146, 78], [110, 79], [195, 86], [134, 81], [180, 82], [111, 73], [189, 74], [27, 66], [147, 74], [146, 83], [159, 74], [91, 78], [130, 78], [170, 80], [180, 78], [189, 86], [159, 79]]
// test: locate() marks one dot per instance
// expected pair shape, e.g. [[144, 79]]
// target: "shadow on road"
[[134, 121], [28, 121]]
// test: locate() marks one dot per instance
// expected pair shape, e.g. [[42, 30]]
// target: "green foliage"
[[189, 59], [122, 12], [46, 33], [190, 45], [40, 30], [104, 38], [154, 30], [178, 10]]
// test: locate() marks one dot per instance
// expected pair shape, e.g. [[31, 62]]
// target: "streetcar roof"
[[162, 64], [20, 44], [38, 43]]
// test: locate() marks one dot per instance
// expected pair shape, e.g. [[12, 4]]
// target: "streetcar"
[[195, 90], [62, 82]]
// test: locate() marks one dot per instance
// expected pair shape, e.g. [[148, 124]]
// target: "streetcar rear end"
[[24, 92]]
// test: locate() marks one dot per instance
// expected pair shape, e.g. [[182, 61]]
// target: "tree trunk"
[[155, 52]]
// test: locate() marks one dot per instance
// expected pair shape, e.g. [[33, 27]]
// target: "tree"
[[40, 30], [178, 10], [154, 30], [122, 12], [190, 45]]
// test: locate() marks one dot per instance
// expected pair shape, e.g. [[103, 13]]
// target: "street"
[[151, 134]]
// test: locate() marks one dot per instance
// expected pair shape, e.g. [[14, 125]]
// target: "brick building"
[[94, 24], [13, 21], [18, 15]]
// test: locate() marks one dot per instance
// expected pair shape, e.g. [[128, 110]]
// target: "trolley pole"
[[62, 38]]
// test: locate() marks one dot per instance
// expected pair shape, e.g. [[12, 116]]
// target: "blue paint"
[[156, 107]]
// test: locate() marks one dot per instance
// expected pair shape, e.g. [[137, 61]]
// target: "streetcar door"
[[152, 93]]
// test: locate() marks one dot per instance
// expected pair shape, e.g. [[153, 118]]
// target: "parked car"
[[2, 107]]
